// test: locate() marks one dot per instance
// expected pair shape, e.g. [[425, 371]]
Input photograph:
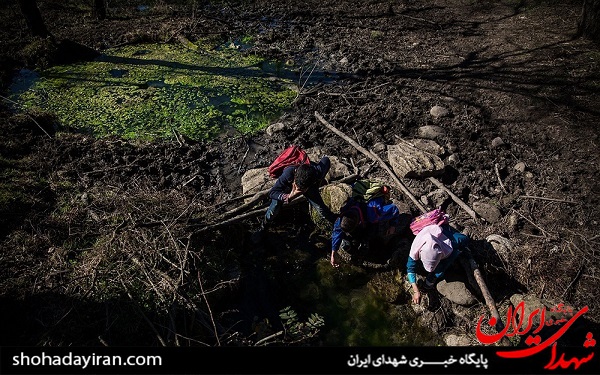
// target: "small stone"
[[274, 128], [497, 142], [520, 167], [431, 132], [438, 111], [453, 159]]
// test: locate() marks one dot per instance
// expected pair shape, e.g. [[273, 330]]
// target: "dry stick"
[[212, 319], [546, 234], [258, 196], [547, 199], [262, 209], [577, 276], [487, 296], [374, 157], [456, 199], [268, 338], [499, 179], [28, 115], [152, 327], [471, 262]]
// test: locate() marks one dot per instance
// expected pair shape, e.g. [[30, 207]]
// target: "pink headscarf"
[[431, 246]]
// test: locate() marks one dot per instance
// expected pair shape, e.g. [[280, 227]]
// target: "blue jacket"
[[283, 185], [373, 212]]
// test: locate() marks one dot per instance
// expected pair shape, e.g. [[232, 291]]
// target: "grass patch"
[[151, 91]]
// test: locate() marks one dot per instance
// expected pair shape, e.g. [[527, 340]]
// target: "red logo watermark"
[[515, 320]]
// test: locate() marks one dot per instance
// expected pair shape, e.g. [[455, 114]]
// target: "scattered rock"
[[497, 142], [520, 167], [336, 171], [274, 128], [431, 132], [488, 212], [453, 159], [437, 197], [458, 340], [503, 246], [438, 111], [457, 292], [408, 161], [379, 147], [428, 145]]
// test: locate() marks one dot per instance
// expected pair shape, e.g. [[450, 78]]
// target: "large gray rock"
[[255, 180], [428, 145], [338, 169], [409, 161], [488, 212], [457, 292], [458, 340], [431, 131]]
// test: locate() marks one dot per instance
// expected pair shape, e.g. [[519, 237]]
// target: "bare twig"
[[264, 339], [547, 199], [499, 179], [177, 137], [212, 319], [162, 341], [188, 181], [455, 198], [577, 276], [28, 115], [546, 234]]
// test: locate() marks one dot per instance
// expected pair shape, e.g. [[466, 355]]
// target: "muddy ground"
[[80, 213]]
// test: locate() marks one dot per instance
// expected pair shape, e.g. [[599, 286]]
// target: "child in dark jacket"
[[294, 181]]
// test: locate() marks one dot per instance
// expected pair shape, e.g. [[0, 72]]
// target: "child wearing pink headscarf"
[[436, 247]]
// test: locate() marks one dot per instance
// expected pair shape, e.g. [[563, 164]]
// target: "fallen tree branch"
[[455, 198], [262, 209], [375, 157], [469, 262]]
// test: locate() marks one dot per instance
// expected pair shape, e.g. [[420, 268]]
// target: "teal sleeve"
[[411, 269]]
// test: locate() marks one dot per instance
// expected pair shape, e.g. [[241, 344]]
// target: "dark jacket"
[[373, 212], [283, 185]]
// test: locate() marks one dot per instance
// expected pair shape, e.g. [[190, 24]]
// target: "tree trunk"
[[100, 9], [33, 17], [589, 24]]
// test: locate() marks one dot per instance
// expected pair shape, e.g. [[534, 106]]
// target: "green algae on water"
[[151, 91]]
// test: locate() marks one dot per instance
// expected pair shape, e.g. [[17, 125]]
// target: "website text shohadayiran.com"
[[84, 361]]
